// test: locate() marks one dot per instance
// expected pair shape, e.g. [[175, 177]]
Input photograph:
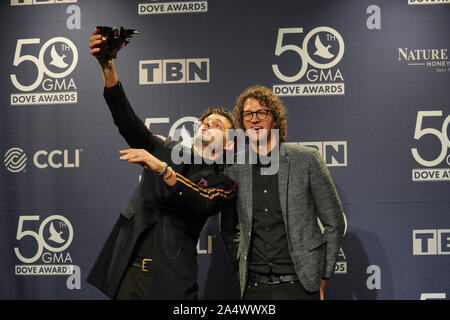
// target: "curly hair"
[[268, 99], [220, 111]]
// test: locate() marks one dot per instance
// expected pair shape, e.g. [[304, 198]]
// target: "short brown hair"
[[221, 111], [268, 99]]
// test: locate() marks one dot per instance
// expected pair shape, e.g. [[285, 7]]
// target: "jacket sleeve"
[[329, 210], [129, 124], [203, 200], [229, 230]]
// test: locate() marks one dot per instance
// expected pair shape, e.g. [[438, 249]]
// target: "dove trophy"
[[114, 39]]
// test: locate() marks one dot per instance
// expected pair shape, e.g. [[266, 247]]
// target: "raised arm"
[[106, 63], [130, 126]]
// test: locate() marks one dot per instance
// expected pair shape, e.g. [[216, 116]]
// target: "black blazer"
[[176, 215]]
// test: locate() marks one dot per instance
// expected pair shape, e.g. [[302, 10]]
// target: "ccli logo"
[[15, 159]]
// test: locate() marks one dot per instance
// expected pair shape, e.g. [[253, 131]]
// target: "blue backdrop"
[[365, 82]]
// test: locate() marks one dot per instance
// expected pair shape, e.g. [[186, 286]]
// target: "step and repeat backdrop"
[[364, 82]]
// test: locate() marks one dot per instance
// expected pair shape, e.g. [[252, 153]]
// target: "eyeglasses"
[[261, 114]]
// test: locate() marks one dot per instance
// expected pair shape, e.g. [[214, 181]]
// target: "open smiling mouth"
[[257, 129]]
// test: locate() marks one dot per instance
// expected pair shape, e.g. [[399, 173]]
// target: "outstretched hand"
[[143, 158]]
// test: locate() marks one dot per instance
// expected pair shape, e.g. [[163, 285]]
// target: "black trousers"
[[135, 284], [283, 291]]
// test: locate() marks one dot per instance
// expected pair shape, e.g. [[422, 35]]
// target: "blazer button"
[[181, 193]]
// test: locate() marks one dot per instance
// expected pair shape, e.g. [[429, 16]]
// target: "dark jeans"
[[135, 285], [283, 291]]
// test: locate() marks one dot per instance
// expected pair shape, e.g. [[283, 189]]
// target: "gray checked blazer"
[[306, 193]]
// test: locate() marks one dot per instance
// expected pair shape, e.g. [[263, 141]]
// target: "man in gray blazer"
[[280, 249]]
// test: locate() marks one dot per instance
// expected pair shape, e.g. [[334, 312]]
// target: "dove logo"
[[322, 49], [15, 160], [55, 236], [56, 60]]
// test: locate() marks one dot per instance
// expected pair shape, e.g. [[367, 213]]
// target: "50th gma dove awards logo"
[[314, 61], [44, 252], [49, 82], [435, 165]]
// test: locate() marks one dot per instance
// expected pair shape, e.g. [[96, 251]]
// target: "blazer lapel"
[[247, 191], [283, 180]]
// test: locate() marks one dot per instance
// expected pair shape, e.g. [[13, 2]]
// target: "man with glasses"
[[282, 253]]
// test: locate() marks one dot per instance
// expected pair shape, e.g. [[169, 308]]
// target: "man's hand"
[[109, 72], [322, 287], [143, 158], [96, 51]]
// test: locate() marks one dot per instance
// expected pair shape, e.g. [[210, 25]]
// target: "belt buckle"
[[143, 268], [273, 279]]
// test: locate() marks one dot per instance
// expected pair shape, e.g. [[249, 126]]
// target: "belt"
[[142, 263], [256, 279]]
